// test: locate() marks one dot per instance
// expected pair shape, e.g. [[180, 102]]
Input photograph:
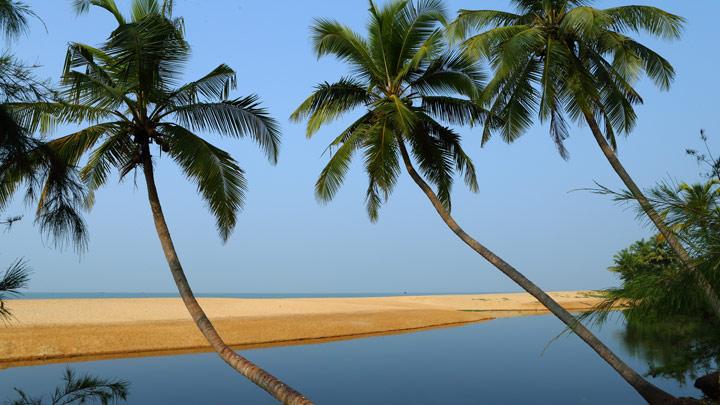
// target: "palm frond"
[[485, 44], [453, 72], [333, 174], [219, 178], [60, 202], [141, 9], [330, 101], [419, 24], [332, 38], [114, 152], [151, 52], [15, 278], [381, 164], [455, 111], [83, 6], [71, 148], [517, 102], [214, 86], [44, 117], [649, 19], [434, 161], [14, 17], [236, 118], [469, 21]]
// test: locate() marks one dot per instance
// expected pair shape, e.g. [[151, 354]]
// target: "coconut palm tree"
[[565, 60], [409, 86], [128, 94]]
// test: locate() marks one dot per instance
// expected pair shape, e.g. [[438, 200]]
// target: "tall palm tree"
[[408, 84], [127, 91], [564, 59]]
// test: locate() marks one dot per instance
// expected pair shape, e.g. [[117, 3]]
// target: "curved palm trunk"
[[708, 290], [648, 391], [281, 391]]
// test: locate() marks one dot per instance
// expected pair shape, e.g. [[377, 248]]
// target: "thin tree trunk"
[[710, 294], [281, 391], [648, 391]]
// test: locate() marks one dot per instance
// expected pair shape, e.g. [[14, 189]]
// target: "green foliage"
[[16, 277], [127, 94], [27, 161], [669, 321], [406, 81], [78, 390], [565, 59], [14, 17], [655, 286], [654, 281]]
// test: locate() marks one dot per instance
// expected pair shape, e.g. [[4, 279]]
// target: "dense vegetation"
[[667, 319]]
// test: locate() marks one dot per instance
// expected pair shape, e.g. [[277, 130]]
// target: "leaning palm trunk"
[[648, 391], [672, 240], [281, 391]]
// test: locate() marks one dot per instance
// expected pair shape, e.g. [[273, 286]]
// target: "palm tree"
[[564, 59], [407, 83], [127, 91]]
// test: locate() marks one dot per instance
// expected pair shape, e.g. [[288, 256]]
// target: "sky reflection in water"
[[498, 362]]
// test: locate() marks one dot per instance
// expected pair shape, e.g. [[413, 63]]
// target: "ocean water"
[[63, 295], [506, 361]]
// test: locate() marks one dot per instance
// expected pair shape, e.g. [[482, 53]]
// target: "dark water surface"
[[497, 362]]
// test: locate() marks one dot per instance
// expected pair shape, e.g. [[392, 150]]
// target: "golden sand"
[[82, 329]]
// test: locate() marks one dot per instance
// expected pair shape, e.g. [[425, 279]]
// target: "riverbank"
[[57, 330]]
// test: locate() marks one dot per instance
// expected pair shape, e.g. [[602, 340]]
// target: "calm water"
[[498, 362]]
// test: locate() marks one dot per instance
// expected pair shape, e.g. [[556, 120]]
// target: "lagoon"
[[505, 361]]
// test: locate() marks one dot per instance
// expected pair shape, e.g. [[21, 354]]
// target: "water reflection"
[[74, 390], [682, 349], [498, 362]]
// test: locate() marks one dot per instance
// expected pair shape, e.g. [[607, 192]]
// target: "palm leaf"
[[330, 101], [237, 118], [220, 180], [646, 18]]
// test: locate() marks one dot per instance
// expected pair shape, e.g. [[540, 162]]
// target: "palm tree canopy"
[[407, 83], [562, 58], [128, 90]]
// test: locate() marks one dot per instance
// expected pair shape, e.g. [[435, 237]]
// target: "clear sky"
[[287, 242]]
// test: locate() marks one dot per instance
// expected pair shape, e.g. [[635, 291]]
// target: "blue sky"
[[287, 242]]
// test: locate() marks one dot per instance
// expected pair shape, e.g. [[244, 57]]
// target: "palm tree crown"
[[559, 58], [408, 82], [128, 90]]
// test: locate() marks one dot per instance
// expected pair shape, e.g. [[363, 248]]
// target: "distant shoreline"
[[88, 295], [72, 329]]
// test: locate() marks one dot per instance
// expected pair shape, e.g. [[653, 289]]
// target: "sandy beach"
[[84, 329]]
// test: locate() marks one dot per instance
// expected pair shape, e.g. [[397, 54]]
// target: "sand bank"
[[82, 329]]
